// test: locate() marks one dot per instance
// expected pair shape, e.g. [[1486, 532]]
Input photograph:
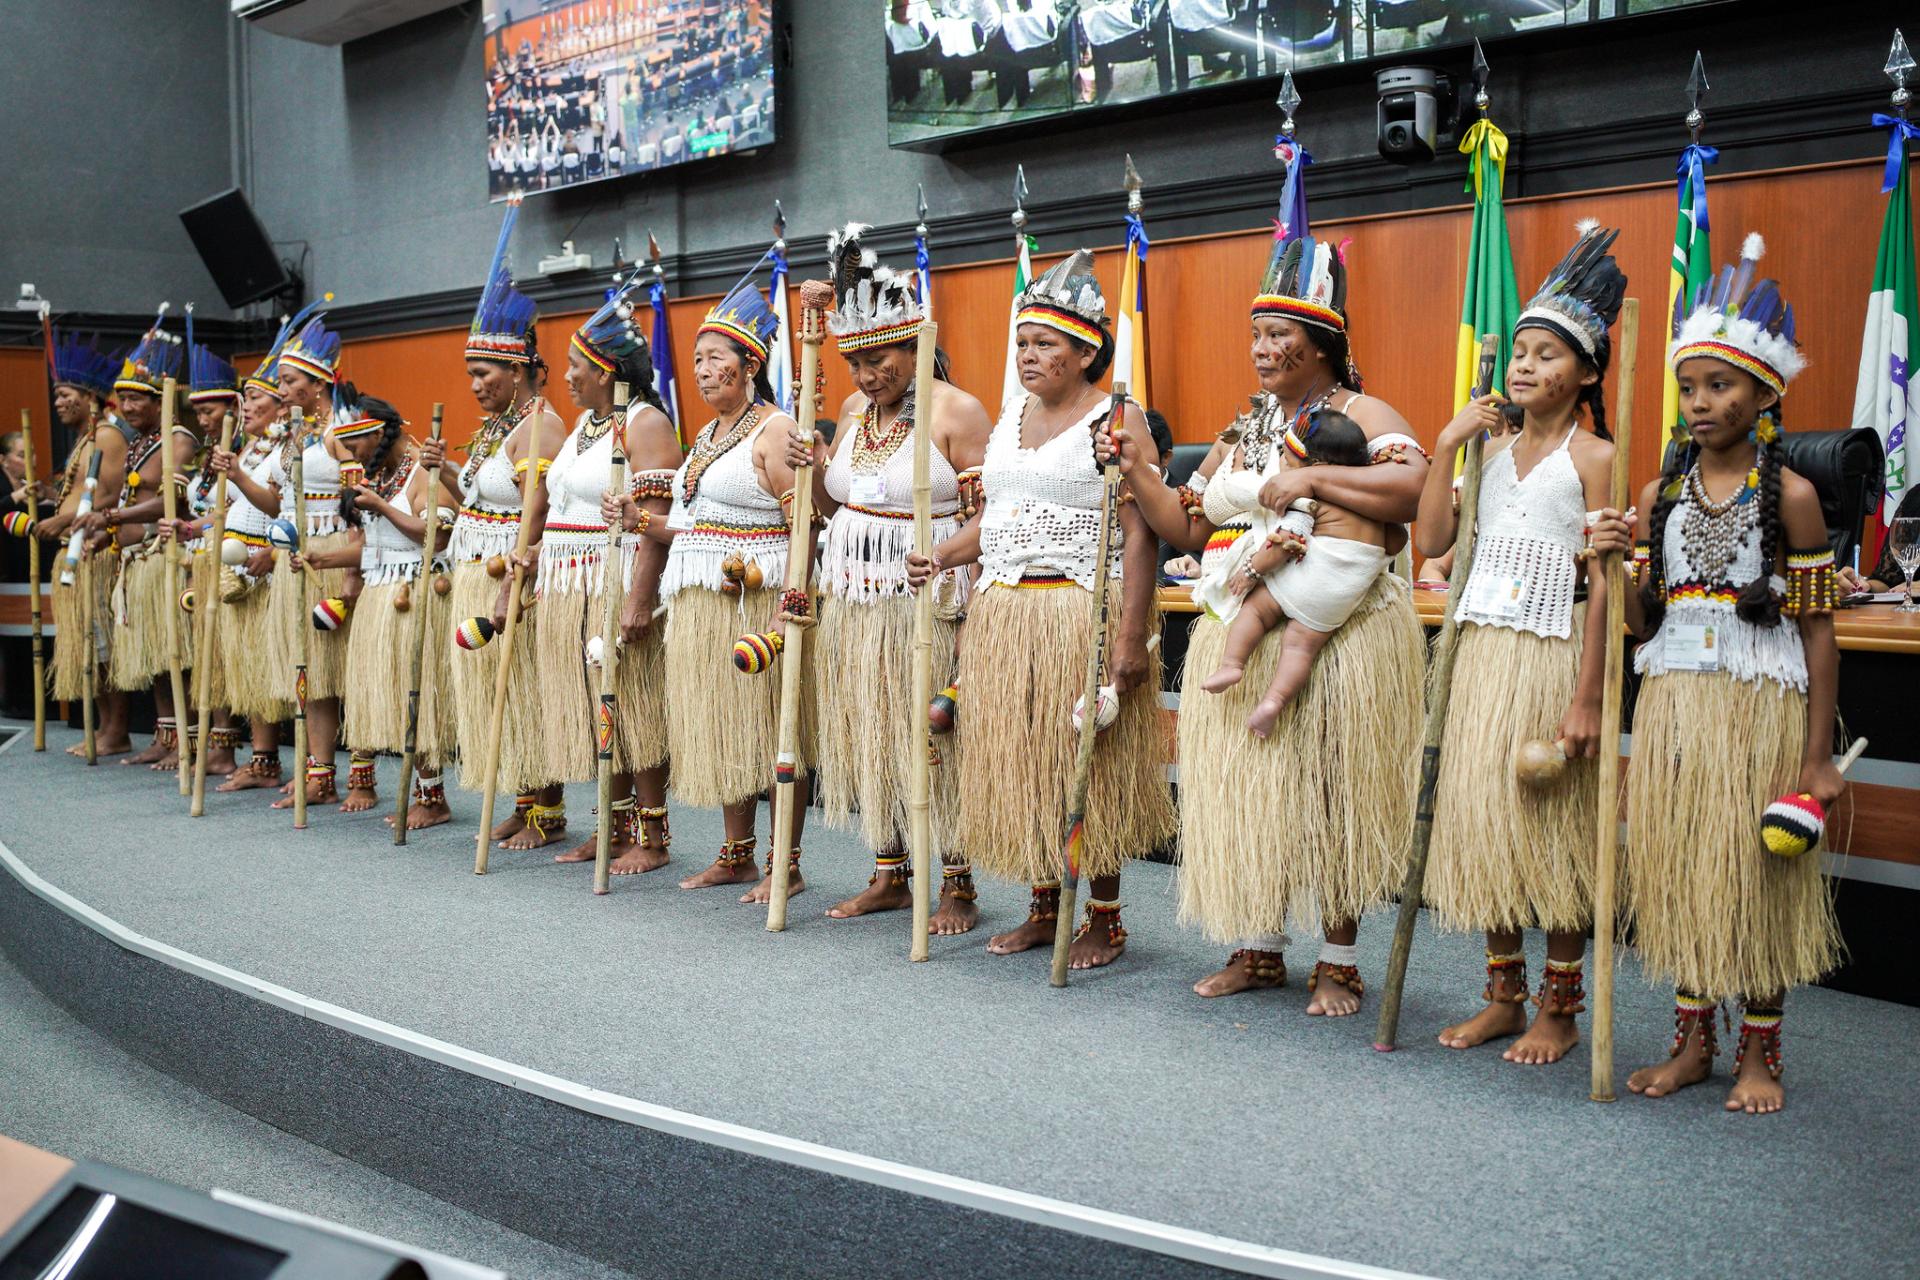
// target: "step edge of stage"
[[1161, 1238]]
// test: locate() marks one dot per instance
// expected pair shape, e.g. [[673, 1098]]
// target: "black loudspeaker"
[[235, 248]]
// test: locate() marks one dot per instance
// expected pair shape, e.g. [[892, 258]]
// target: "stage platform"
[[652, 1080]]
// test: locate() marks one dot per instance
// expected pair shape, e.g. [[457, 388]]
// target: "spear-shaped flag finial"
[[1019, 199], [1481, 73], [653, 256], [1899, 65], [1133, 185], [921, 228], [1697, 87], [1289, 101], [779, 227]]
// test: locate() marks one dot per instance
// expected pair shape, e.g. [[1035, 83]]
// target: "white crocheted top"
[[868, 538], [488, 523], [320, 476], [1043, 505], [387, 554], [1529, 531], [1744, 651], [730, 515], [260, 461], [574, 546]]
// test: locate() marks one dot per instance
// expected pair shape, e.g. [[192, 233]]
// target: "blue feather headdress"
[[267, 377], [314, 350], [503, 322], [78, 363], [744, 315], [350, 417], [610, 335], [211, 377], [1747, 324], [152, 362], [1580, 298]]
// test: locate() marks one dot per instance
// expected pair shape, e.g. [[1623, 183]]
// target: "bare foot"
[[887, 891], [955, 915], [1550, 1038], [1331, 999], [528, 837], [421, 816], [168, 763], [103, 748], [1755, 1091], [317, 793], [1024, 937], [359, 799], [219, 764], [1692, 1064], [630, 858], [722, 873], [146, 756], [1266, 714], [513, 826], [1098, 942], [1496, 1021], [249, 779], [1247, 970], [1224, 677], [585, 851], [762, 892]]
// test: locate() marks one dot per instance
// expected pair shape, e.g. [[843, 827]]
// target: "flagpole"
[[1692, 256], [1887, 396], [661, 347], [1022, 273]]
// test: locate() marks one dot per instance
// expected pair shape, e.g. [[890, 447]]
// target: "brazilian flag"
[[1491, 301]]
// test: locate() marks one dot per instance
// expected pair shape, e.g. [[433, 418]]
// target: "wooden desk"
[[26, 1175]]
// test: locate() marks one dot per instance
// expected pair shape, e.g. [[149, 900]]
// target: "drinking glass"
[[1904, 538]]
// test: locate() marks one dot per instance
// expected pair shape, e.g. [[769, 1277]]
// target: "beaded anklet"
[[225, 739], [545, 819], [735, 853], [1045, 903], [322, 774], [1337, 965], [1763, 1022], [1690, 1011], [625, 822], [1563, 990], [165, 734], [1268, 968], [891, 865], [956, 881], [793, 860], [359, 772], [1513, 964], [1107, 913], [429, 790], [650, 813], [264, 764]]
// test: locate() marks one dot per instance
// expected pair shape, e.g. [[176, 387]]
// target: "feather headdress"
[[210, 377], [1305, 280], [314, 351], [744, 316], [267, 377], [1581, 296], [153, 361], [502, 326], [1747, 324], [350, 417], [78, 363], [610, 335], [1066, 297], [873, 306]]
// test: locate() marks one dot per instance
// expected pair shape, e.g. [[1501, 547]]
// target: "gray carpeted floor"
[[1126, 1092]]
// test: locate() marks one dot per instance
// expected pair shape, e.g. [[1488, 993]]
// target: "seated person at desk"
[[1885, 575]]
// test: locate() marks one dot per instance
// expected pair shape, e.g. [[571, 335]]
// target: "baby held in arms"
[[1306, 570]]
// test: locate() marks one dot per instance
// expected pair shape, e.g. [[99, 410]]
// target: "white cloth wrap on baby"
[[1319, 590]]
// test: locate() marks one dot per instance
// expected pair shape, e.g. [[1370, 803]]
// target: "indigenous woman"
[[1739, 669], [607, 350], [727, 535], [1531, 664], [867, 717], [520, 431], [1315, 819], [1030, 627], [215, 394]]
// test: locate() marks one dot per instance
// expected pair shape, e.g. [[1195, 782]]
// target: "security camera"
[[1412, 102]]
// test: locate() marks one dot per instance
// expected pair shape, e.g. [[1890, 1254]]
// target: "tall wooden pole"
[[209, 614], [89, 601], [33, 588], [613, 588], [422, 602], [920, 805], [497, 723], [170, 560], [1440, 692], [1607, 821], [303, 624], [793, 667]]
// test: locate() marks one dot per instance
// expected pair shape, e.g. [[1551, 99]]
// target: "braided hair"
[[1758, 603], [1594, 400], [636, 370], [390, 422]]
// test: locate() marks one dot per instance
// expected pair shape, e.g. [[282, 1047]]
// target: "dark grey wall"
[[116, 119]]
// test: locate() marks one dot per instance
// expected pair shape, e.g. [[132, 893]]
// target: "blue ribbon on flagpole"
[[923, 267], [1293, 195], [1692, 170], [1137, 236], [661, 349], [1902, 132]]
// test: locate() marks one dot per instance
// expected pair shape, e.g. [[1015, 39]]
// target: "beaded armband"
[[647, 485], [1395, 446], [1642, 560], [1193, 496], [1812, 588], [973, 492]]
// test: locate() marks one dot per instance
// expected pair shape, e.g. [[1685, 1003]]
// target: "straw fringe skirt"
[[1713, 910], [146, 590], [293, 615], [250, 657], [473, 673], [1505, 856], [570, 692], [1317, 819], [71, 643], [868, 721], [210, 677], [1022, 663], [722, 724], [380, 673]]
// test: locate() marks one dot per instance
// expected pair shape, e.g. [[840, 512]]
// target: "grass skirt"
[[146, 590], [209, 677], [380, 673], [868, 721], [250, 657], [1022, 663], [71, 643], [1713, 910], [1505, 856], [1317, 819], [570, 692], [473, 673], [292, 616], [721, 723]]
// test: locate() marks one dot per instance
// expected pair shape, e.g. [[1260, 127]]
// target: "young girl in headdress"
[[1505, 856], [1739, 666]]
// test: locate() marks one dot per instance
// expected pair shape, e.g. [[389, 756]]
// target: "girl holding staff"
[[1030, 628], [1506, 856], [582, 586], [429, 625], [1739, 667], [215, 397], [181, 759], [871, 725]]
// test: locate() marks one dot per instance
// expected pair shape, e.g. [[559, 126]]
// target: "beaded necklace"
[[707, 449], [392, 480], [590, 434], [872, 447], [493, 433], [142, 449], [1713, 531], [1259, 434]]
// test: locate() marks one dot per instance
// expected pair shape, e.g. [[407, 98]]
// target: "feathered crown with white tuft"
[[1305, 280], [1581, 296], [502, 326], [1743, 322], [314, 351], [267, 377], [152, 362], [210, 377], [1066, 297], [610, 335], [77, 362], [873, 307]]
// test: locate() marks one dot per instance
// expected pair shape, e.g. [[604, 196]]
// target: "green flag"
[[1491, 301], [1887, 399]]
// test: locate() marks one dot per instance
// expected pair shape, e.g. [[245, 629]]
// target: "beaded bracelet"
[[1812, 588]]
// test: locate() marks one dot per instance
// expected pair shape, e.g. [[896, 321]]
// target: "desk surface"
[[1876, 628]]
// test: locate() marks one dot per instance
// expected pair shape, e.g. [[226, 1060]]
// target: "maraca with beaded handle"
[[1795, 822]]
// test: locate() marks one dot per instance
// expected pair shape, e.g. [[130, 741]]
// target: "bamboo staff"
[[33, 587], [497, 722], [793, 666], [209, 609], [89, 624], [170, 559], [304, 625], [1440, 685], [920, 807], [1090, 692], [1607, 824], [612, 586], [423, 601]]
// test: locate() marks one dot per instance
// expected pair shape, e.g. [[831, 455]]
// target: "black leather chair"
[[1847, 469], [1153, 42], [1013, 72]]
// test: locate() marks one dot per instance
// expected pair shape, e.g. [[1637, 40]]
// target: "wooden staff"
[[303, 624], [612, 587], [920, 806], [1090, 695], [793, 664], [76, 549], [497, 722], [170, 559], [1440, 686], [1607, 822], [423, 601], [33, 588], [203, 662]]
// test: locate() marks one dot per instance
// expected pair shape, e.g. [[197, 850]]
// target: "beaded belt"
[[948, 514], [251, 539], [1040, 580], [1703, 593], [740, 530], [490, 517], [1223, 537]]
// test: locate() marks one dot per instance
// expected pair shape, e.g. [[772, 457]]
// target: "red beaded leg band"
[[1763, 1023], [735, 853], [650, 813], [1105, 914], [1514, 966], [1690, 1011], [1563, 990], [359, 772]]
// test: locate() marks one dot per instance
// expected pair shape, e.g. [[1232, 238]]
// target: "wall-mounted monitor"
[[961, 66], [582, 91]]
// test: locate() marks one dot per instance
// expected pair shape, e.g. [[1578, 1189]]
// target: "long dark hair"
[[636, 370], [762, 385], [390, 423], [1338, 349]]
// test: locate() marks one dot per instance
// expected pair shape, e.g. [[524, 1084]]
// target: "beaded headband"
[[1062, 320], [1274, 304], [1733, 317]]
